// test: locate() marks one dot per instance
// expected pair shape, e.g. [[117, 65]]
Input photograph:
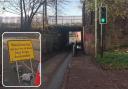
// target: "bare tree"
[[30, 8], [27, 9]]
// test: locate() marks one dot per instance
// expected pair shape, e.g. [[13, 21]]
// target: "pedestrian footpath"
[[83, 73]]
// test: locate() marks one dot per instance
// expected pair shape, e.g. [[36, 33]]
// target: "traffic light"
[[103, 15]]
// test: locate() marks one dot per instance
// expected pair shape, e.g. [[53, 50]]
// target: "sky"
[[71, 8]]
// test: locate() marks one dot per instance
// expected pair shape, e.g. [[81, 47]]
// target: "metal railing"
[[62, 20]]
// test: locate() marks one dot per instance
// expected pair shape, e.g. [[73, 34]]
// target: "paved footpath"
[[85, 74]]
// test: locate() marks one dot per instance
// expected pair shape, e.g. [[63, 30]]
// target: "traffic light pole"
[[101, 42], [103, 21], [102, 38]]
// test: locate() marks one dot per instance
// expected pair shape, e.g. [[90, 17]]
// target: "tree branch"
[[32, 14], [24, 9]]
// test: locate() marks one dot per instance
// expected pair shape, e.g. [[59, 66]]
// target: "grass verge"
[[113, 60]]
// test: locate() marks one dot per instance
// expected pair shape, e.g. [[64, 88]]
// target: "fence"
[[62, 20]]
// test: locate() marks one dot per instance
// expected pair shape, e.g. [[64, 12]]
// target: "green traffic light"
[[103, 20]]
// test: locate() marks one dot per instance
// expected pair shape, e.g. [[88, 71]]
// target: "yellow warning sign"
[[20, 50]]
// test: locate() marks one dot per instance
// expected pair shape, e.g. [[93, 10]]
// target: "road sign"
[[20, 50], [103, 15]]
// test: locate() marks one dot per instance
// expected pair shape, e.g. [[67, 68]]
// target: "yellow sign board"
[[20, 50]]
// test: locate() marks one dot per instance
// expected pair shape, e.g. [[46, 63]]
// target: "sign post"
[[103, 22], [21, 50], [17, 70]]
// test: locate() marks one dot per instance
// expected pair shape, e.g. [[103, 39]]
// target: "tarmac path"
[[86, 74]]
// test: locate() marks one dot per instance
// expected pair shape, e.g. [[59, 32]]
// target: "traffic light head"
[[103, 20], [103, 15]]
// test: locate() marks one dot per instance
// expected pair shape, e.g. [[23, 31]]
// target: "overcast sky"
[[72, 8]]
